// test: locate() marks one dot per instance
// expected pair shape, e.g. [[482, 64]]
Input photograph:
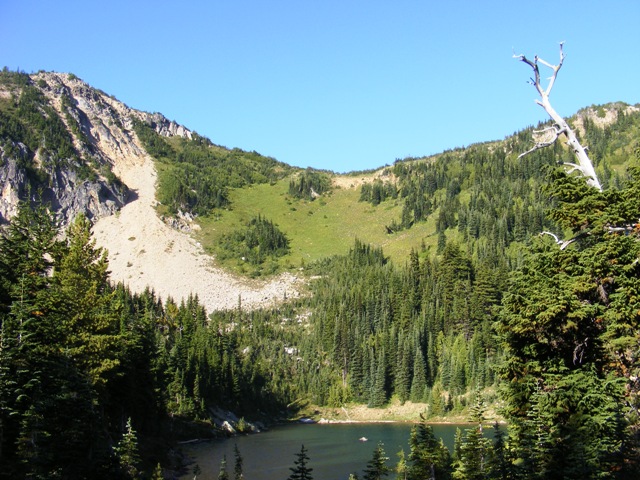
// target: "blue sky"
[[339, 85]]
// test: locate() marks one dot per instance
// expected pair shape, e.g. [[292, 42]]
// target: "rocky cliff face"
[[101, 132]]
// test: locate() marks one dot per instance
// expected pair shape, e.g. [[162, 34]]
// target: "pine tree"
[[127, 452], [428, 457], [222, 474], [301, 471], [237, 464], [377, 467]]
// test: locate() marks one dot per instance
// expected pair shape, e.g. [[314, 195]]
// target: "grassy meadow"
[[316, 229]]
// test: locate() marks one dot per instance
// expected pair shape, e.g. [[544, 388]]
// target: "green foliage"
[[126, 453], [258, 242], [195, 175], [472, 191], [309, 185], [377, 467], [301, 471], [428, 457], [474, 453], [410, 332], [569, 324], [416, 328], [482, 197], [72, 343], [377, 192]]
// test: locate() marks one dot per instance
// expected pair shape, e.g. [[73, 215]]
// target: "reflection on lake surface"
[[334, 449]]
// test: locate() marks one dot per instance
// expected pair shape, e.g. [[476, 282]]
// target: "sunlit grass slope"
[[316, 229]]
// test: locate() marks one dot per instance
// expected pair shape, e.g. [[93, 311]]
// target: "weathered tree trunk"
[[560, 126]]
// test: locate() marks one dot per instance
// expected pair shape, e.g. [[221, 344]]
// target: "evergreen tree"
[[377, 467], [127, 453], [499, 464], [157, 473], [84, 303], [378, 395], [428, 457], [566, 312], [301, 471], [222, 474], [402, 383], [419, 382], [237, 464], [473, 454]]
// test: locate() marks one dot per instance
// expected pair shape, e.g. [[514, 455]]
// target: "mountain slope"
[[143, 250]]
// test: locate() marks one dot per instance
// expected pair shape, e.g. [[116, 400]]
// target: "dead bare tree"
[[550, 135]]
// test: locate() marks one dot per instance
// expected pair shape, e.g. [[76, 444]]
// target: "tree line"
[[194, 175], [309, 184]]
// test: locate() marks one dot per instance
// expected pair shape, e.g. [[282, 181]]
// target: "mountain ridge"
[[147, 249]]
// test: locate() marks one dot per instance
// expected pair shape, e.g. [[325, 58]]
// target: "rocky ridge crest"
[[101, 129]]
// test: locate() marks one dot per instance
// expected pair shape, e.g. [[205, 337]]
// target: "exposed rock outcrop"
[[112, 173], [101, 129]]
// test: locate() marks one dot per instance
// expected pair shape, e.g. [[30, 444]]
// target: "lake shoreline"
[[394, 412], [324, 421]]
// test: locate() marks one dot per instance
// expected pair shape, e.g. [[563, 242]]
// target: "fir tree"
[[562, 319], [237, 464], [377, 467], [428, 457], [222, 474], [301, 471], [157, 473], [419, 382], [127, 453]]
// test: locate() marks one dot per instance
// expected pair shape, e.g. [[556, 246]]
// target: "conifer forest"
[[526, 301]]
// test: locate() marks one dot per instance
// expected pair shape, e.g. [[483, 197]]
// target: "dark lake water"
[[334, 450]]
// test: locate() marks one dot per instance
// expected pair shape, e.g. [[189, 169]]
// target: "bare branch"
[[573, 168], [578, 352], [555, 237], [560, 125], [564, 243], [555, 131], [627, 229]]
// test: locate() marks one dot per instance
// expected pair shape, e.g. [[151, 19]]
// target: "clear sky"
[[333, 84]]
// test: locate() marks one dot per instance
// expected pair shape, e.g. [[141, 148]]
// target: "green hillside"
[[317, 229], [483, 196], [429, 284]]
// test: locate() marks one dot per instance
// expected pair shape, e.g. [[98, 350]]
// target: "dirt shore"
[[393, 412]]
